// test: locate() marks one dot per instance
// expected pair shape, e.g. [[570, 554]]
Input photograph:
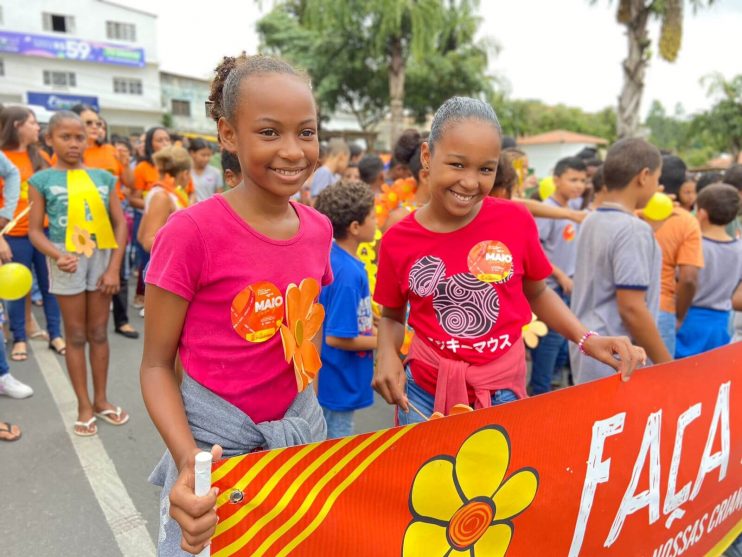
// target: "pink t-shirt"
[[208, 255], [465, 288]]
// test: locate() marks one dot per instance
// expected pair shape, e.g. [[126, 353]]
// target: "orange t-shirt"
[[23, 163], [104, 158], [146, 175], [679, 238]]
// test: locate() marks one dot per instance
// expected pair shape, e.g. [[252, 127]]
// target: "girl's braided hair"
[[225, 87]]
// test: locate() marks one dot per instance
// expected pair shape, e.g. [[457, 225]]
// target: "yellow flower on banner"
[[82, 241], [462, 506], [533, 330], [303, 321]]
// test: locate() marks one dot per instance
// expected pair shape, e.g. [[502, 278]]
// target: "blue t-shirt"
[[345, 377]]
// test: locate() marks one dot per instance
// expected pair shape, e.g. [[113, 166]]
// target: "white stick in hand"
[[203, 484]]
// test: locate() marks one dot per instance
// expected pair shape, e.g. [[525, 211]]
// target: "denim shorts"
[[85, 279], [424, 401]]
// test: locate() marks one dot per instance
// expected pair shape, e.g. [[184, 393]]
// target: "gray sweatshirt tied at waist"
[[214, 421]]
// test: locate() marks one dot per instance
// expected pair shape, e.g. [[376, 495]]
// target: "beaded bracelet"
[[587, 335]]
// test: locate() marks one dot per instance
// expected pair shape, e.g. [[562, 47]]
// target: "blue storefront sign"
[[58, 101], [47, 46]]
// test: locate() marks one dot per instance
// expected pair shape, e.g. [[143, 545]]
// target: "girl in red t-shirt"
[[472, 269]]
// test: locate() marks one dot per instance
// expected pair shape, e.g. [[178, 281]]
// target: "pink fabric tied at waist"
[[506, 372]]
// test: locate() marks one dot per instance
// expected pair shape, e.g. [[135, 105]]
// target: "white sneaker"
[[10, 386]]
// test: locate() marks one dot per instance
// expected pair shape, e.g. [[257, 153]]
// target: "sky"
[[558, 51]]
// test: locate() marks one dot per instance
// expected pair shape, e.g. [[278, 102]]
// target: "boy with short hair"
[[349, 337], [371, 169], [706, 325], [617, 278], [338, 157], [679, 237], [558, 239]]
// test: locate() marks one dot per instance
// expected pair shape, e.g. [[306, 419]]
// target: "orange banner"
[[649, 467]]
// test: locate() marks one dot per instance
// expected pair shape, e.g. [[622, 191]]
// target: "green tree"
[[342, 79], [529, 117], [721, 126], [667, 132], [635, 16], [431, 40]]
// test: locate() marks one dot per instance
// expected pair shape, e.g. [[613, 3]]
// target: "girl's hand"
[[605, 349], [67, 263], [109, 282], [6, 255], [123, 156], [389, 379], [195, 515]]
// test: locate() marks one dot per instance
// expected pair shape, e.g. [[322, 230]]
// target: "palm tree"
[[403, 28], [635, 16]]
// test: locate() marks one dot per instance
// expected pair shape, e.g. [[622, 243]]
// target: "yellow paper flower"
[[82, 241], [533, 330], [303, 321], [461, 506]]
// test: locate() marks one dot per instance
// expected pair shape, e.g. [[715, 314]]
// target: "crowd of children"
[[44, 178], [254, 293]]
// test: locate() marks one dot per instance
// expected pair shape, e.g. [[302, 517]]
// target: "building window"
[[181, 108], [58, 23], [60, 79], [121, 31], [127, 85]]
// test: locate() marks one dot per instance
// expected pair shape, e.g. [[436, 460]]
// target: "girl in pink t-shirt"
[[222, 296], [472, 269]]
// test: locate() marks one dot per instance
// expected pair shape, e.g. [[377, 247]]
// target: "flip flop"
[[90, 428], [39, 334], [8, 428], [107, 416], [60, 351], [19, 355]]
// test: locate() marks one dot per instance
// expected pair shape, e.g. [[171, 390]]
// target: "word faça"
[[598, 469]]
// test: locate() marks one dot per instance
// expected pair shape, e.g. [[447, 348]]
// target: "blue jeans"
[[339, 424], [27, 255], [550, 355], [4, 367], [424, 401], [666, 323]]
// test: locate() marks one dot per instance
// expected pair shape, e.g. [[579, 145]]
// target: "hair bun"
[[407, 145]]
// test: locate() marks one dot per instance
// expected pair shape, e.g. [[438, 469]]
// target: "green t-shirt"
[[52, 185]]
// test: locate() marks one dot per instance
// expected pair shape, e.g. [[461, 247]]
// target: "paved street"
[[68, 496]]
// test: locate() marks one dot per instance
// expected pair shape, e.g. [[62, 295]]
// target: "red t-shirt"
[[465, 288]]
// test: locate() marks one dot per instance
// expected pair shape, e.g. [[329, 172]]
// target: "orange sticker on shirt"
[[569, 232], [491, 261], [257, 312]]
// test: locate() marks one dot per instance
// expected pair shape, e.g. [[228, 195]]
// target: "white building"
[[545, 150], [184, 99], [55, 54]]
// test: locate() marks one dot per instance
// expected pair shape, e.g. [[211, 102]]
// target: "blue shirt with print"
[[345, 377]]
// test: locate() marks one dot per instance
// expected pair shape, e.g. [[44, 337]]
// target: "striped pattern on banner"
[[288, 493]]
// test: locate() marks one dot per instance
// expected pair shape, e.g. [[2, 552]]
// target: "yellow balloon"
[[546, 188], [659, 207], [15, 281]]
